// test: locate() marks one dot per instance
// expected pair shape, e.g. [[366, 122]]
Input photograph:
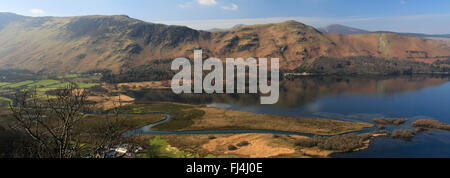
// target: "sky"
[[418, 16]]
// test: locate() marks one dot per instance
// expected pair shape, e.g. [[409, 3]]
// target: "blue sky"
[[425, 16]]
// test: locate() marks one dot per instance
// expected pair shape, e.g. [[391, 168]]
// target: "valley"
[[334, 83]]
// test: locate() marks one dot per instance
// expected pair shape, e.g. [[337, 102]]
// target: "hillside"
[[445, 41], [6, 18], [120, 43]]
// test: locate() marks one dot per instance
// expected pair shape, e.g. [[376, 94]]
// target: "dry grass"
[[431, 124], [445, 41], [145, 85], [403, 134], [241, 145], [325, 146], [259, 146], [391, 121], [216, 119], [344, 143], [106, 102]]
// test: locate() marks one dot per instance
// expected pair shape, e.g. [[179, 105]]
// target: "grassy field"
[[165, 147], [183, 115], [217, 119], [192, 117], [6, 99], [68, 76], [4, 84], [43, 85], [19, 84], [53, 84], [129, 122]]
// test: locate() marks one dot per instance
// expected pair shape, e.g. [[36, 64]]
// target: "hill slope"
[[118, 43]]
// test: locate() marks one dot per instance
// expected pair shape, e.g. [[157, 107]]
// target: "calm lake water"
[[350, 99]]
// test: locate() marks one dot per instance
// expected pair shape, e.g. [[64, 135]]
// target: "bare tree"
[[54, 124], [109, 134], [50, 122]]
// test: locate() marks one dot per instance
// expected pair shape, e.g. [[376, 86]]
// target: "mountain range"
[[341, 29], [345, 30], [118, 43]]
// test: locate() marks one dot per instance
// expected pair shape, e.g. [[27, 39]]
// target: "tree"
[[50, 123]]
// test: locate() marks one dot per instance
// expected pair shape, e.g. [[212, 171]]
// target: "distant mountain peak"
[[238, 26], [341, 29]]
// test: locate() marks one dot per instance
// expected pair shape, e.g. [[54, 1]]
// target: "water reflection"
[[303, 91], [352, 99]]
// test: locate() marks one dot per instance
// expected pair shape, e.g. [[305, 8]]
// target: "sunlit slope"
[[389, 45], [81, 44]]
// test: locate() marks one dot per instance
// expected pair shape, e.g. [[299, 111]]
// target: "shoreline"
[[278, 143]]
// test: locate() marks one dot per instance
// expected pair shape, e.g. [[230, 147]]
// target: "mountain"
[[427, 35], [80, 44], [6, 18], [214, 29], [345, 30], [341, 29], [219, 29], [445, 41], [438, 38], [120, 43], [420, 35], [238, 26]]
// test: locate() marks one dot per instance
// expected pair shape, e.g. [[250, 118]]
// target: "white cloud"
[[233, 7], [207, 2], [185, 5], [37, 11]]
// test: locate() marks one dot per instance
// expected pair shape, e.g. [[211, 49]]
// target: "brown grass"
[[431, 124], [253, 145], [344, 143], [216, 119], [325, 146], [260, 146], [145, 85], [106, 102], [403, 134], [391, 121]]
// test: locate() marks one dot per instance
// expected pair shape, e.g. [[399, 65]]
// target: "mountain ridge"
[[346, 30], [118, 43], [341, 29]]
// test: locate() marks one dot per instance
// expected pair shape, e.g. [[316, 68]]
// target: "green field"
[[6, 99], [183, 115], [44, 84], [41, 84], [68, 76], [19, 84], [4, 84]]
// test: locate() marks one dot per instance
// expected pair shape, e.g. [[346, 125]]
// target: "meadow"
[[43, 85]]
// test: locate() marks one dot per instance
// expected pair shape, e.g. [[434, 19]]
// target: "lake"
[[350, 99]]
